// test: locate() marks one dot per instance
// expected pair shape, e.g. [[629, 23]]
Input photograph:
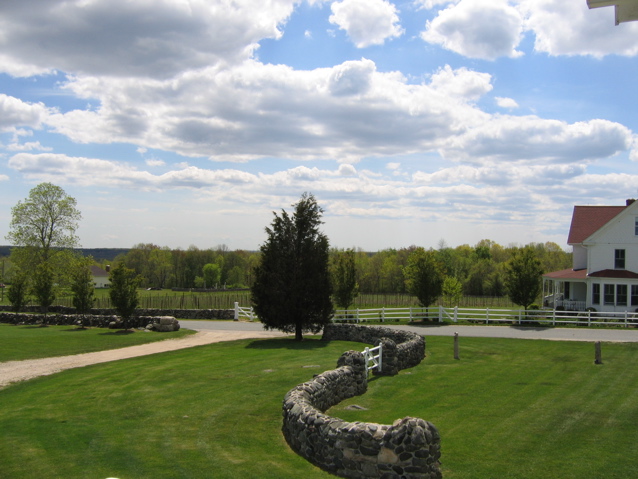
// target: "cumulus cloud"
[[367, 22], [486, 29], [508, 103], [15, 113], [461, 83], [530, 138], [123, 38], [582, 31]]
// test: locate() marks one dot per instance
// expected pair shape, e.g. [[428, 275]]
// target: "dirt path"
[[14, 371]]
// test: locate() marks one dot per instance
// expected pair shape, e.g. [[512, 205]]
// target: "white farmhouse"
[[100, 277], [605, 261]]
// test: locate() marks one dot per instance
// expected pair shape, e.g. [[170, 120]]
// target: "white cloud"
[[16, 113], [151, 162], [27, 146], [142, 38], [508, 103], [461, 83], [570, 28], [529, 138], [367, 22], [485, 29]]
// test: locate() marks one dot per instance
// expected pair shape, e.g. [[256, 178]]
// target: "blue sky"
[[188, 122]]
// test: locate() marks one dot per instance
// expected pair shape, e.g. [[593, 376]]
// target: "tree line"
[[45, 261]]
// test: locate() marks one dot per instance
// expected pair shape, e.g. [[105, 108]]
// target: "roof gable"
[[586, 220], [97, 271]]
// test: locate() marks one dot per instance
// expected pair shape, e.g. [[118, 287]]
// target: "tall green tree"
[[452, 291], [344, 278], [82, 286], [523, 276], [424, 276], [43, 286], [292, 288], [44, 222], [123, 292], [18, 294]]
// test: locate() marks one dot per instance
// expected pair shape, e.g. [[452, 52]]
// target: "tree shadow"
[[288, 343], [119, 332], [73, 330]]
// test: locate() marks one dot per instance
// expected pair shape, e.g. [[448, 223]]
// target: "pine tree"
[[292, 286]]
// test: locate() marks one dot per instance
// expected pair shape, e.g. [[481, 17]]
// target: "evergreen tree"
[[18, 293], [123, 292], [523, 276], [292, 288], [43, 286], [82, 285]]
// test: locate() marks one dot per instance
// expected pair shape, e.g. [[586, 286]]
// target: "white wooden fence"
[[244, 313], [472, 315], [489, 316]]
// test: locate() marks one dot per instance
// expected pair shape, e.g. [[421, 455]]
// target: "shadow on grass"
[[73, 330], [119, 332], [287, 343], [426, 324]]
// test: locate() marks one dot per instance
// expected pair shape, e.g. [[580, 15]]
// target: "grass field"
[[32, 342], [507, 409]]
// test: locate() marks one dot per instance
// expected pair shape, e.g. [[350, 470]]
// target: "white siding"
[[579, 257]]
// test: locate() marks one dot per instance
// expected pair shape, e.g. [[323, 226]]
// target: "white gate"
[[374, 360]]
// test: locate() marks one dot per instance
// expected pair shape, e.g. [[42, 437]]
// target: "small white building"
[[605, 261], [100, 277]]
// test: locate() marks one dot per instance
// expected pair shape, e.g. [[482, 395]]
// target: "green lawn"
[[507, 409], [32, 342]]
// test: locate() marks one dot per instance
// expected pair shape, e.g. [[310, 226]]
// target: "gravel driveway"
[[13, 371]]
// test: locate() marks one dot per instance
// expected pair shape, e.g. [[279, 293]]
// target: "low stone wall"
[[176, 313], [409, 448], [155, 323], [404, 349]]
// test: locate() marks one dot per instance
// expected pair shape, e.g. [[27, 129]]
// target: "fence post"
[[626, 326], [410, 313], [357, 315], [380, 357], [456, 345], [236, 316], [383, 314], [440, 313], [456, 314], [487, 315], [599, 355], [252, 317], [589, 318]]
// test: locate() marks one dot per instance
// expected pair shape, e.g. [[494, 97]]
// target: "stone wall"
[[176, 313], [155, 323], [409, 448], [408, 348]]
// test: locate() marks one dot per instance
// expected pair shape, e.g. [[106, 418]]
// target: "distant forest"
[[99, 254], [479, 268]]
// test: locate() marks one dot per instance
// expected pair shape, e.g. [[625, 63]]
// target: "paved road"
[[556, 334]]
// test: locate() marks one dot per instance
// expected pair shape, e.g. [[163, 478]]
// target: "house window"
[[621, 295], [619, 259], [634, 295], [610, 294], [595, 293]]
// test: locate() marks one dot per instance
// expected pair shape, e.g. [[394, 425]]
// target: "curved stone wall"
[[409, 448]]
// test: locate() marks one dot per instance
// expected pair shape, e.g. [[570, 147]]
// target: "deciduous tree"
[[292, 286], [45, 221], [424, 276], [344, 278], [523, 276]]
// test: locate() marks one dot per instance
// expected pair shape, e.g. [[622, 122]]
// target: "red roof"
[[614, 273], [567, 274], [586, 220]]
